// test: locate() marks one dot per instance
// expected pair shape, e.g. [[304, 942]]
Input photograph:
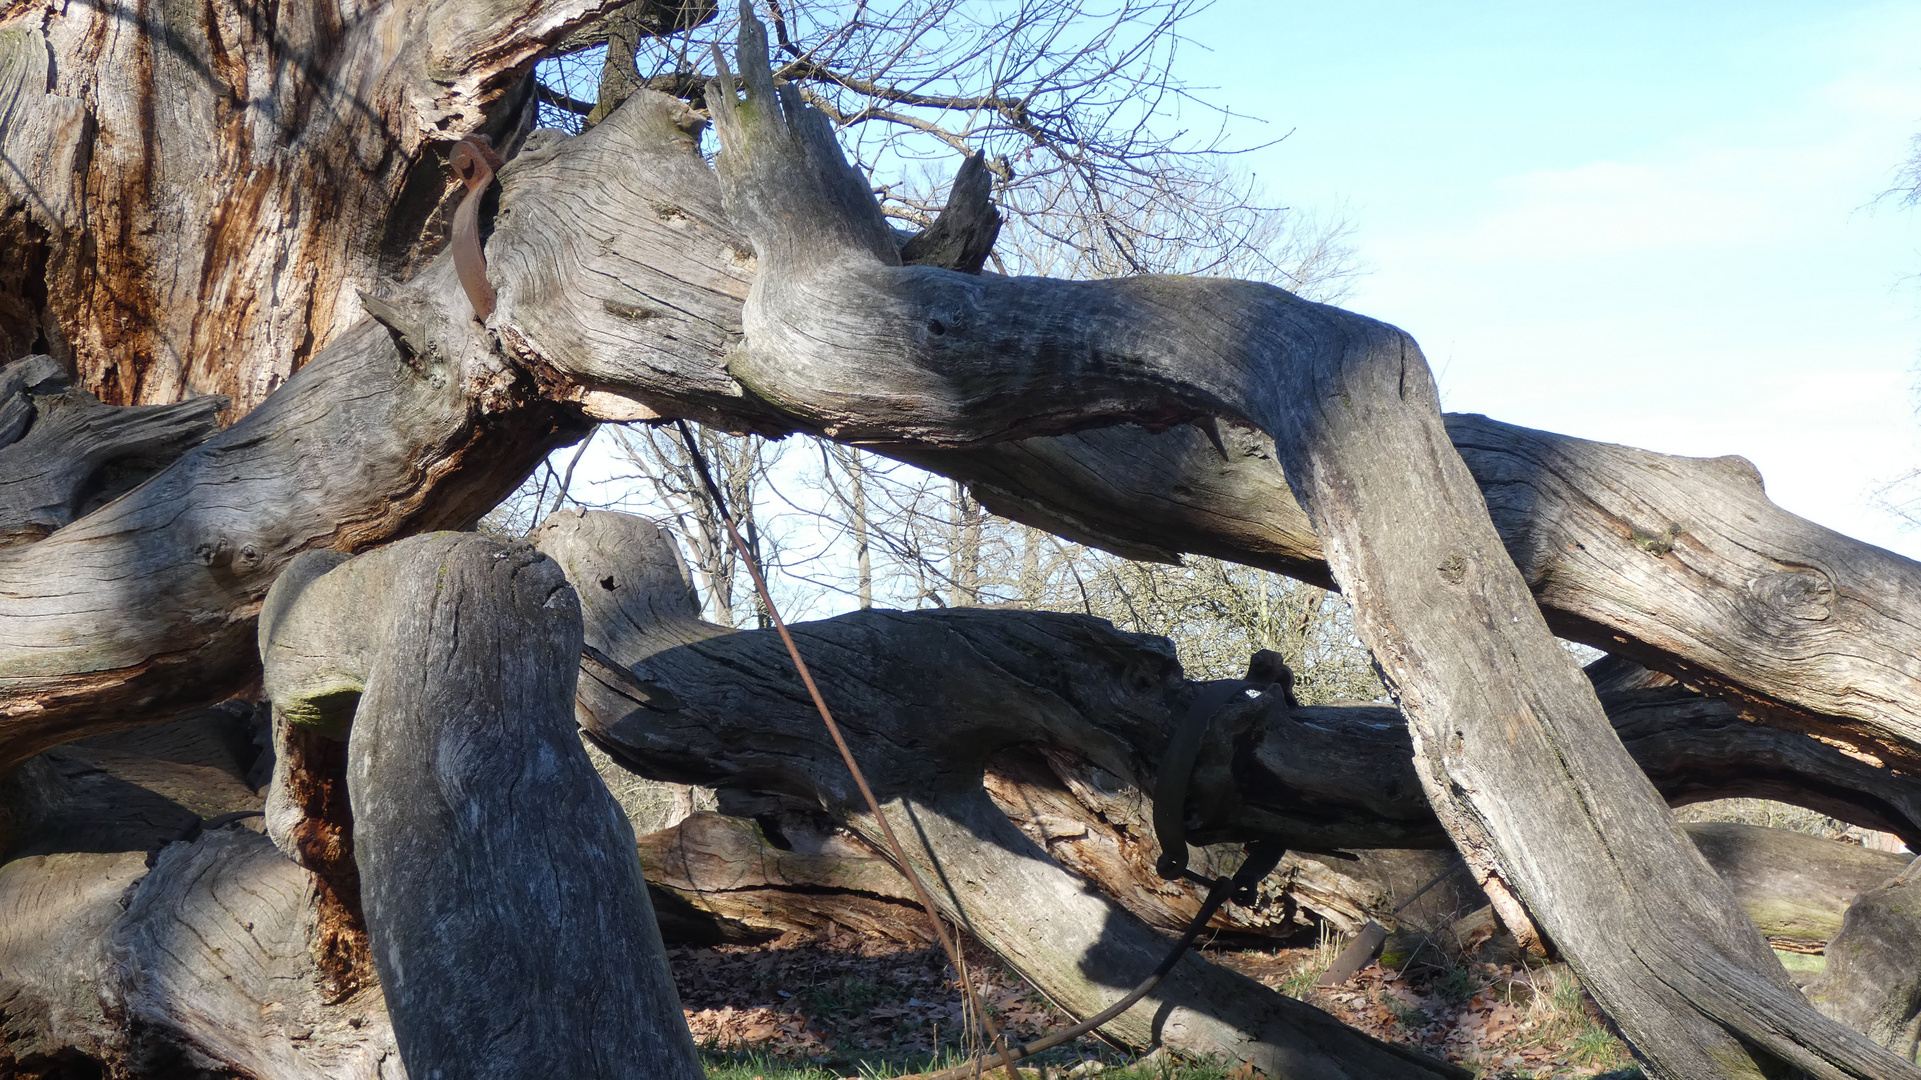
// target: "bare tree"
[[198, 198]]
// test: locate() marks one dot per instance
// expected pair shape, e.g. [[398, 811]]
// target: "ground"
[[847, 1007]]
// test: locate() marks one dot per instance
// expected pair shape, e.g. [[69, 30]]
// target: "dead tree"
[[147, 252], [485, 853]]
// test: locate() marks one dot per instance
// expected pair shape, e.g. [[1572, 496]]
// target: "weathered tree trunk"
[[619, 279], [724, 881], [716, 867], [928, 698], [1795, 887], [1278, 773], [203, 188], [1510, 743], [194, 196], [63, 454], [1078, 947], [212, 958], [644, 314], [1873, 977], [488, 853], [147, 606]]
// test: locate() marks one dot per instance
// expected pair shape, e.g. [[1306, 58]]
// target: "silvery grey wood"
[[64, 454], [146, 608], [216, 959], [204, 958], [644, 304], [732, 709], [1872, 980], [620, 280], [505, 906], [19, 381], [1510, 743]]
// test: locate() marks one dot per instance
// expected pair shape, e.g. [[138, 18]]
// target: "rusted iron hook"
[[475, 162]]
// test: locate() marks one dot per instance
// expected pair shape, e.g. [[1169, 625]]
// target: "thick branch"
[[928, 698], [146, 607], [75, 454], [647, 308], [489, 854], [733, 692], [1511, 745]]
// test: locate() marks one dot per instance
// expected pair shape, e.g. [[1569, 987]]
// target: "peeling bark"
[[205, 187]]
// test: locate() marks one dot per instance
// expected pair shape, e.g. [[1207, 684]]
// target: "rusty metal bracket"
[[475, 162]]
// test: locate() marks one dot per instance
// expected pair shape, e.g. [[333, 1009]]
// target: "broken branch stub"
[[490, 855], [1511, 744]]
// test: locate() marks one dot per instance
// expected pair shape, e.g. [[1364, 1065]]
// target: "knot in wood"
[[1803, 593]]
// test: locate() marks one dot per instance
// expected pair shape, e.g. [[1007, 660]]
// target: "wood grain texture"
[[489, 853], [622, 278], [216, 961], [56, 919], [1512, 747], [726, 707], [197, 191], [204, 960], [69, 454], [146, 608], [726, 882], [1872, 981]]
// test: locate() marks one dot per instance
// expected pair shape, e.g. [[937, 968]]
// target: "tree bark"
[[146, 608], [1797, 627], [1872, 981], [1078, 947], [207, 960], [1511, 745], [203, 188], [928, 698], [63, 454], [646, 309], [489, 855]]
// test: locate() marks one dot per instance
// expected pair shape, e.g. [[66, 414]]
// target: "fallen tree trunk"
[[207, 959], [1274, 764], [636, 324], [645, 312], [1078, 947], [928, 698], [1318, 777], [139, 793], [1407, 621], [145, 609], [487, 852], [1513, 749], [724, 881]]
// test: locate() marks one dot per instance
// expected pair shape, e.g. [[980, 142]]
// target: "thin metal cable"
[[847, 755]]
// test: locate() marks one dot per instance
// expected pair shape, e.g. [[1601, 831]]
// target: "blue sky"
[[1652, 224]]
